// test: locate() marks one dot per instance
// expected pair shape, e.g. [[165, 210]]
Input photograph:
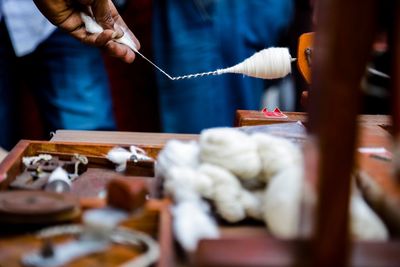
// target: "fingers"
[[120, 51], [103, 38], [114, 27], [104, 11]]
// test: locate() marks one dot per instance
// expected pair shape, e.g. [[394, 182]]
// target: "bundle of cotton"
[[177, 153], [180, 177], [253, 203], [226, 192], [365, 224], [192, 219], [230, 149], [192, 222], [277, 154], [282, 202], [120, 156]]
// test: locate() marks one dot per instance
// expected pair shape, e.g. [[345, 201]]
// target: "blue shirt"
[[27, 27]]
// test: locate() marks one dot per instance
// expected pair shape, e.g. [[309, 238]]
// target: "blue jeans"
[[193, 36], [68, 80]]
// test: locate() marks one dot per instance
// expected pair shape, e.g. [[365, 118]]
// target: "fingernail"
[[114, 35], [118, 33]]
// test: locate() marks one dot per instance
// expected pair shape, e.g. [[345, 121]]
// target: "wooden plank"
[[254, 117], [119, 138], [258, 251]]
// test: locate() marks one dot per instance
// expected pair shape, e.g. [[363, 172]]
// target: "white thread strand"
[[270, 63]]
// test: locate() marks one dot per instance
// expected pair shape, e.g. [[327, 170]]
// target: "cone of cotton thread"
[[269, 63]]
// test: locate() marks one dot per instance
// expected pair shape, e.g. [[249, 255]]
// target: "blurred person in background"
[[66, 77], [194, 36]]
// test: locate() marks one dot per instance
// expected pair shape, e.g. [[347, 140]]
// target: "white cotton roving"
[[226, 192], [253, 203], [365, 224], [192, 220], [192, 223], [258, 176], [93, 27], [277, 154], [179, 176], [232, 150], [282, 202], [177, 153], [119, 156]]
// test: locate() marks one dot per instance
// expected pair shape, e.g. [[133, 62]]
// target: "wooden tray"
[[155, 219]]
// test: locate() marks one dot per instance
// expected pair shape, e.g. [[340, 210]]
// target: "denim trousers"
[[68, 81], [191, 36]]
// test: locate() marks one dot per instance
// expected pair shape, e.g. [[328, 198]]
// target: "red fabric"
[[273, 114]]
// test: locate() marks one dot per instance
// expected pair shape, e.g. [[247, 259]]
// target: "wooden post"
[[394, 46], [344, 36]]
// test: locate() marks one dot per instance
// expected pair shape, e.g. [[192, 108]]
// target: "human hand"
[[66, 15]]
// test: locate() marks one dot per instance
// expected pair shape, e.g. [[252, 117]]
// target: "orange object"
[[304, 55]]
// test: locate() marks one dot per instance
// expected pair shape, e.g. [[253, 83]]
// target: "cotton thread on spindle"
[[270, 63]]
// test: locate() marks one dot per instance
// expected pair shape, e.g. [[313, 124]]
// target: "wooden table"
[[375, 178]]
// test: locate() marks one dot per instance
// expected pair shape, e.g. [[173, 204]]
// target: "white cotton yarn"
[[183, 176], [271, 190], [192, 223], [177, 153], [253, 203], [282, 203], [277, 154], [269, 63], [232, 150], [364, 223], [226, 192]]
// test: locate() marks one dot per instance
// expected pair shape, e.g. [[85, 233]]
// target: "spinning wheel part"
[[25, 207], [61, 254], [304, 55]]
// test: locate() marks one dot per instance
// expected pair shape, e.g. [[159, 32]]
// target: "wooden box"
[[155, 219]]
